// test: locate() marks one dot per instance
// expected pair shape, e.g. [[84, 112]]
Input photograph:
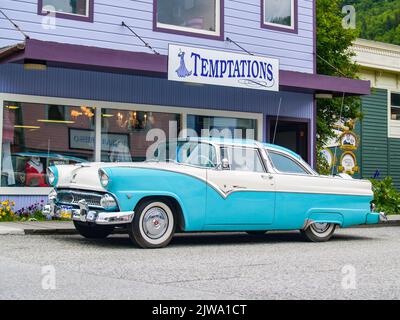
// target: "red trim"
[[276, 27], [219, 37], [60, 15]]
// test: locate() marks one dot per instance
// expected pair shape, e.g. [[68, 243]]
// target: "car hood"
[[85, 175]]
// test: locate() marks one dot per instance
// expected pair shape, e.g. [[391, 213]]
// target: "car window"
[[197, 154], [285, 164], [190, 153], [243, 159]]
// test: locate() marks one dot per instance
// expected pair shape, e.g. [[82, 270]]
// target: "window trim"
[[279, 27], [393, 125], [167, 28], [101, 104], [257, 150], [89, 17], [307, 171]]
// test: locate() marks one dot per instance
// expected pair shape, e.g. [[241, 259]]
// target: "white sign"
[[186, 64]]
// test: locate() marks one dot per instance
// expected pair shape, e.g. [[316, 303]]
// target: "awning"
[[110, 60]]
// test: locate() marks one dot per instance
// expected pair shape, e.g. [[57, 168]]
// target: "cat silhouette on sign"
[[182, 71]]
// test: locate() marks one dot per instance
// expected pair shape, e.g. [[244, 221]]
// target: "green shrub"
[[386, 197]]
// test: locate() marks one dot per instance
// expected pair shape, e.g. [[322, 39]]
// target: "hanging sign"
[[194, 65], [348, 141], [348, 163]]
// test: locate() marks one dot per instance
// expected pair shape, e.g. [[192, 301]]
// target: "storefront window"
[[36, 136], [72, 7], [125, 133], [279, 13], [395, 106], [238, 128], [198, 16]]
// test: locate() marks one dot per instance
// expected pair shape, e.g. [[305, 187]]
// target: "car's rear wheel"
[[319, 232], [93, 231], [153, 225]]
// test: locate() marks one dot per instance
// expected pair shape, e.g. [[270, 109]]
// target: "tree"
[[335, 59], [378, 20]]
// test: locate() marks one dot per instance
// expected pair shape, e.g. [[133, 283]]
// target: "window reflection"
[[188, 14], [36, 136], [124, 133]]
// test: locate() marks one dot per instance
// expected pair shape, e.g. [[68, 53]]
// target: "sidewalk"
[[67, 228]]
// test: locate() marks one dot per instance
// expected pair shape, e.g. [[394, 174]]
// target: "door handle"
[[267, 177]]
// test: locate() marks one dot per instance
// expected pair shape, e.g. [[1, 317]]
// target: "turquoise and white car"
[[198, 185]]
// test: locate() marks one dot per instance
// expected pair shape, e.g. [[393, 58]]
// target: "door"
[[291, 134], [241, 194]]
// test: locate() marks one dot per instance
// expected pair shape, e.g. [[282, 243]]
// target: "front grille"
[[70, 197]]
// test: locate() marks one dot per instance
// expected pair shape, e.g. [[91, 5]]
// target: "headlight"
[[108, 202], [52, 176], [104, 179]]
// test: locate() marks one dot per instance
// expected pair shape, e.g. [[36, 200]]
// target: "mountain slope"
[[378, 19]]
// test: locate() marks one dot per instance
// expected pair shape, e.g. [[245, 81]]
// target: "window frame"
[[393, 125], [89, 17], [101, 104], [278, 27], [306, 170], [171, 29], [393, 106], [257, 150]]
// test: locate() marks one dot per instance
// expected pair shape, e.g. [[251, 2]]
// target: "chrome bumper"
[[103, 218], [376, 217]]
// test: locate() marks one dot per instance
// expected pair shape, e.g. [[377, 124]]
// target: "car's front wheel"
[[319, 232], [153, 225], [93, 232]]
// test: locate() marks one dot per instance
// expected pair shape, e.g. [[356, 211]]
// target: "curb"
[[6, 230]]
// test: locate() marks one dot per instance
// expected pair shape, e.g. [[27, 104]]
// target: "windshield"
[[191, 153]]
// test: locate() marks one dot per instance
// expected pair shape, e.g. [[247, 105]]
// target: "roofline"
[[377, 55]]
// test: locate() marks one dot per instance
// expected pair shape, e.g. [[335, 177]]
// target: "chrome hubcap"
[[320, 227], [155, 222]]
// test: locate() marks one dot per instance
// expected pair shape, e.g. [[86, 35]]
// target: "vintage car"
[[198, 185]]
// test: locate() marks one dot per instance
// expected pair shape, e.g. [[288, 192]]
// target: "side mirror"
[[225, 164]]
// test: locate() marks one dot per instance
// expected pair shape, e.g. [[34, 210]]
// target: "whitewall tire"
[[319, 232], [153, 225]]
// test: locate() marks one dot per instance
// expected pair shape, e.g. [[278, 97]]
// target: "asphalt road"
[[359, 263]]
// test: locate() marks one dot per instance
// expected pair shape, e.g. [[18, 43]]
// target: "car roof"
[[247, 142]]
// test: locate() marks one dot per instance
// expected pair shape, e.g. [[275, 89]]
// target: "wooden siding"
[[394, 161], [374, 134], [241, 23]]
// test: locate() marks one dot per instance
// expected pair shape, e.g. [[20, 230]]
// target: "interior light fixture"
[[56, 121], [26, 127], [107, 115], [12, 107]]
